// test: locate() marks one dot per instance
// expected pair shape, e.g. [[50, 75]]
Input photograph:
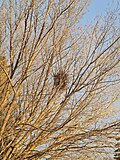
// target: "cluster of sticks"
[[60, 80]]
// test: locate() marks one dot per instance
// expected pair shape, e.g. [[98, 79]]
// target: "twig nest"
[[60, 80]]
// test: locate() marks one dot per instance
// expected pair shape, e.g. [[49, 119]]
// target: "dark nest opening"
[[60, 80]]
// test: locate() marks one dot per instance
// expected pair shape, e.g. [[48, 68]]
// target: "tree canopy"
[[59, 81]]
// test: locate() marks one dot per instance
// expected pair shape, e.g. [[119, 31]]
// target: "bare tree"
[[61, 81]]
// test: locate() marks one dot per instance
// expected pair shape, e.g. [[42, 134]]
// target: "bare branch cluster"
[[59, 81]]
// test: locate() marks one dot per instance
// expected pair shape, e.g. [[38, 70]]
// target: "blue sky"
[[98, 8]]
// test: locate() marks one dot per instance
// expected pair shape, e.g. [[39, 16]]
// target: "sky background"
[[98, 8]]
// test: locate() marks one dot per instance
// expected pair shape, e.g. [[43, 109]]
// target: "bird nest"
[[60, 80]]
